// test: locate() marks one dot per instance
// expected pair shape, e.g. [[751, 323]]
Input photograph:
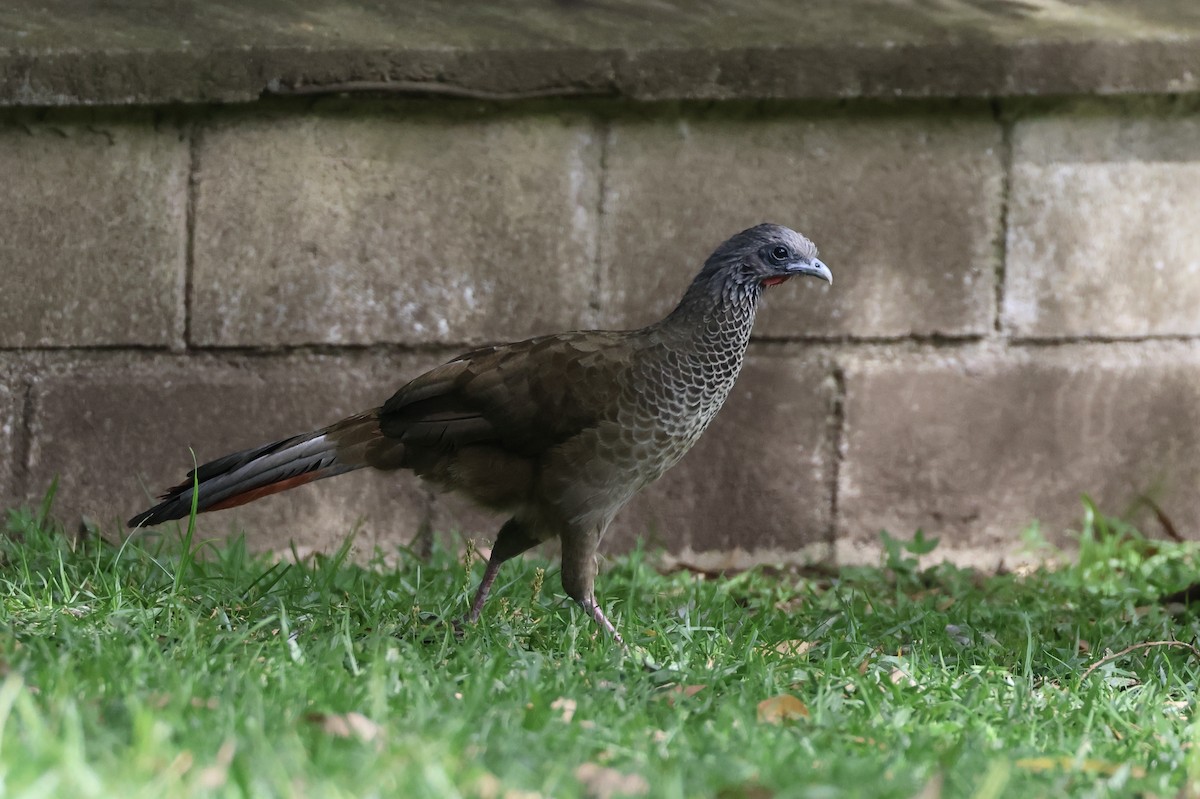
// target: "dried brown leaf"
[[779, 709], [795, 648], [346, 725], [677, 692]]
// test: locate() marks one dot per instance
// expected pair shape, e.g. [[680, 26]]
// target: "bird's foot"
[[597, 614]]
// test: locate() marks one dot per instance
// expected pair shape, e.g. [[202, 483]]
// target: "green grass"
[[144, 671]]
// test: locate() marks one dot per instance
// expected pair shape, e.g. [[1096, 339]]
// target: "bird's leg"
[[485, 586], [597, 613], [579, 576], [512, 540]]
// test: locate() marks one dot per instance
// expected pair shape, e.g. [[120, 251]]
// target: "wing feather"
[[524, 397]]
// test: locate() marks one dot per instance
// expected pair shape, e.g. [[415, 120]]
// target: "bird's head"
[[767, 255], [738, 271]]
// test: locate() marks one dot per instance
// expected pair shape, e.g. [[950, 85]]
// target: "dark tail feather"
[[245, 476]]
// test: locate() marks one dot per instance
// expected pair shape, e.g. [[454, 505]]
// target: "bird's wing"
[[525, 397]]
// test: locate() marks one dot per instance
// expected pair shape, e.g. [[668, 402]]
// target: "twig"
[[1163, 519], [430, 87], [1128, 649]]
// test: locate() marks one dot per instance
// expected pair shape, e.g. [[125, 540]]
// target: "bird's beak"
[[811, 266]]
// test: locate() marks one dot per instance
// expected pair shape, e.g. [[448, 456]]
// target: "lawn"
[[146, 670]]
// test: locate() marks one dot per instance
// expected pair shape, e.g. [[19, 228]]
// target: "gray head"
[[766, 255]]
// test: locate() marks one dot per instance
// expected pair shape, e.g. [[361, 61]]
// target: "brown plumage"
[[558, 432]]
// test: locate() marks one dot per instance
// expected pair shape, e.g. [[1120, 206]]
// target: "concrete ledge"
[[68, 52]]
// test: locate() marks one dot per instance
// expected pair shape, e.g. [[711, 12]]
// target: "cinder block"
[[905, 211], [92, 251], [757, 487], [384, 228], [116, 432], [974, 447], [1102, 233]]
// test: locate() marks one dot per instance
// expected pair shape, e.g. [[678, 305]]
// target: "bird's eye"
[[780, 255]]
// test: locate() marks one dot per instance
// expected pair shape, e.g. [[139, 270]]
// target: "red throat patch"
[[775, 281]]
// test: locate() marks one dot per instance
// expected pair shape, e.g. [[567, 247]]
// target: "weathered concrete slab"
[[1102, 236], [66, 52], [116, 431], [973, 447], [93, 221], [353, 230], [905, 210], [757, 487]]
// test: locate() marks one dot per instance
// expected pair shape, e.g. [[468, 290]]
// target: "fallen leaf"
[[566, 707], [681, 691], [790, 605], [900, 676], [602, 782], [346, 725], [779, 709], [795, 648]]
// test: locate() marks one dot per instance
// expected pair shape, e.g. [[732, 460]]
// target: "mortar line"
[[1000, 270], [442, 347], [837, 433], [598, 268], [189, 255]]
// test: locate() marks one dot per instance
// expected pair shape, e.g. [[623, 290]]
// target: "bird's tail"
[[245, 476]]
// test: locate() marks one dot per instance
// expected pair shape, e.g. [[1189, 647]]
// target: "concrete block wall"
[[1013, 320]]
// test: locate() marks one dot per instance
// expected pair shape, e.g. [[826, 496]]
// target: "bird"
[[557, 432]]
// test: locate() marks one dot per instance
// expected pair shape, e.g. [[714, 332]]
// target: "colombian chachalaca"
[[558, 432]]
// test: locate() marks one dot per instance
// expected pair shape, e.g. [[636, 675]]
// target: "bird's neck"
[[716, 312]]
